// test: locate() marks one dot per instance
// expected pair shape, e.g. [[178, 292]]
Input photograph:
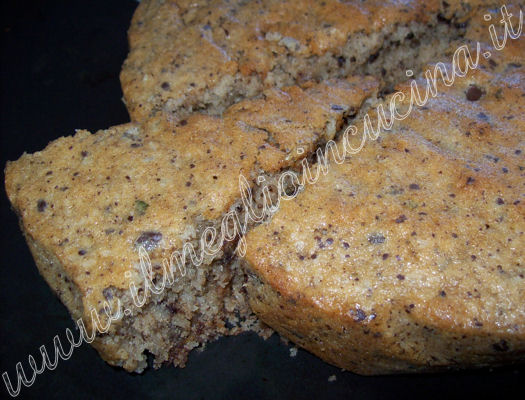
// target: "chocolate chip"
[[373, 57], [359, 315], [500, 201], [82, 252], [108, 293], [401, 219], [149, 240], [376, 238], [41, 205], [400, 277], [165, 86], [474, 93], [470, 180], [385, 256], [414, 186]]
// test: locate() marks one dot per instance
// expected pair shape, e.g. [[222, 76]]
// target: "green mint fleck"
[[140, 207]]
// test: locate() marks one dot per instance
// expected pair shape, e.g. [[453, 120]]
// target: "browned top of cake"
[[429, 219], [179, 49], [88, 198]]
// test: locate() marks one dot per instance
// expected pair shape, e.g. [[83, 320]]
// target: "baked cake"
[[368, 267]]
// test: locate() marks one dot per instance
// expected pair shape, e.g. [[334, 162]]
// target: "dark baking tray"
[[60, 65]]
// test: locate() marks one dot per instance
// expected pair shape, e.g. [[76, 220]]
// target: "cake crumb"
[[332, 378], [293, 351]]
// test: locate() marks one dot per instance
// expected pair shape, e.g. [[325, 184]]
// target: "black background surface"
[[60, 64]]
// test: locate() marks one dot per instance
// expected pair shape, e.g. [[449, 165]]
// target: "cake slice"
[[109, 217], [408, 255]]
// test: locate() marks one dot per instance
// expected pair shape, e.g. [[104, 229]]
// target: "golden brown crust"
[[409, 255]]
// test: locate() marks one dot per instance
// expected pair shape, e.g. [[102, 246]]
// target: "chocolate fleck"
[[401, 219], [108, 293], [148, 240], [474, 93], [41, 205], [376, 238], [359, 315]]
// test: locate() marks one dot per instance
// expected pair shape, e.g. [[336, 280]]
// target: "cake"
[[366, 268]]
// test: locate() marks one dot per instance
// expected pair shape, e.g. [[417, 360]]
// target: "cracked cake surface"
[[409, 255], [206, 55]]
